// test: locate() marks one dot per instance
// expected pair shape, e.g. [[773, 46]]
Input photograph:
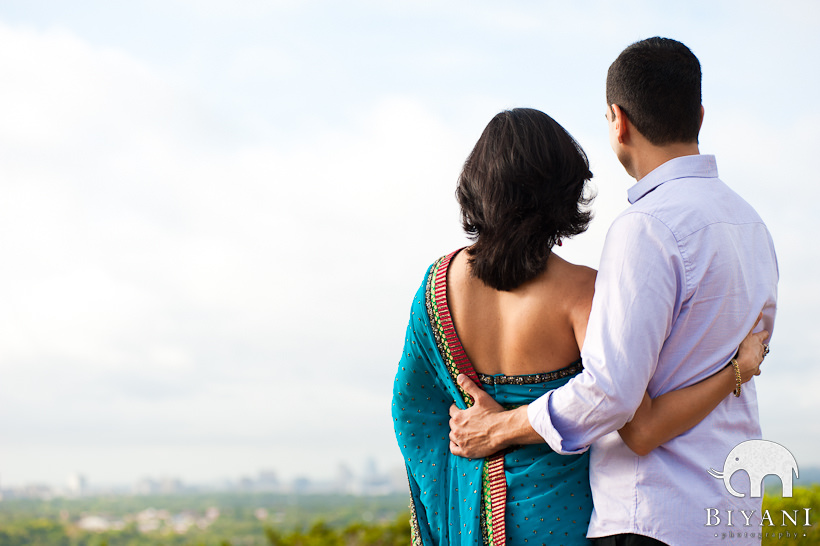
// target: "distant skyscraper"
[[372, 482], [76, 484], [267, 481], [345, 480]]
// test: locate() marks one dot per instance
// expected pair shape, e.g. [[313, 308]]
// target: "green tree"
[[793, 535], [396, 533]]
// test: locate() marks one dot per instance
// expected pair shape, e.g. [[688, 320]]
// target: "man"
[[684, 272]]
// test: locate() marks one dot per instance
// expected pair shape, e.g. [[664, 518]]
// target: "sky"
[[214, 215]]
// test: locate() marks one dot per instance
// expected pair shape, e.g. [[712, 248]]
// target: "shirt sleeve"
[[638, 293]]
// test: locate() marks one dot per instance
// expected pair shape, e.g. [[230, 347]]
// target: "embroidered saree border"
[[494, 483], [446, 339], [494, 489], [415, 532]]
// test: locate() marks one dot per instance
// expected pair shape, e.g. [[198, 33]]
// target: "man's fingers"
[[455, 449], [761, 335], [469, 387], [453, 410]]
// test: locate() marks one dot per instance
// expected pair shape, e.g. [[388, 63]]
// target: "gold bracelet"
[[738, 381]]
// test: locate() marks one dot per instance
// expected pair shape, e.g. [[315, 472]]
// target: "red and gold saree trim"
[[494, 483]]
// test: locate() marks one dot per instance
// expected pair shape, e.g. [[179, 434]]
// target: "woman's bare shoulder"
[[577, 285], [578, 278], [574, 285]]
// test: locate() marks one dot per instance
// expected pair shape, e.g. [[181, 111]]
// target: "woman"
[[521, 314]]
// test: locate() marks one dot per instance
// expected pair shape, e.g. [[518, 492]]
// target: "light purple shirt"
[[684, 273]]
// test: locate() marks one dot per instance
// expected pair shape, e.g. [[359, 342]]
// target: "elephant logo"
[[758, 458]]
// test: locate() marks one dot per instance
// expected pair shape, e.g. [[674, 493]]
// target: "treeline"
[[244, 519], [18, 529], [358, 534], [42, 532]]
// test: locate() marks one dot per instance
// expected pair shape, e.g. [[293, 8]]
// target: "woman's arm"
[[659, 420]]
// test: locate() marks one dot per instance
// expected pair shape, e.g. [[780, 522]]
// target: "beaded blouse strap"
[[531, 379]]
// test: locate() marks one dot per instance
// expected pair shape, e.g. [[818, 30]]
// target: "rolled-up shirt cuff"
[[538, 412]]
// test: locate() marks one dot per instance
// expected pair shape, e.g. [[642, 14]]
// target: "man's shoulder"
[[687, 205]]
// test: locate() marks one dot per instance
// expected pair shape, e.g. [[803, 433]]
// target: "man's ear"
[[621, 123], [702, 112]]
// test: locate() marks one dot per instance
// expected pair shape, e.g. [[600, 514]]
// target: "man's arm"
[[638, 292], [487, 428]]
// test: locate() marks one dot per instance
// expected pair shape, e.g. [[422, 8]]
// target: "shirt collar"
[[688, 166]]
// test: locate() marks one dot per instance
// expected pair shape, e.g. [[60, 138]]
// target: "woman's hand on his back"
[[751, 353]]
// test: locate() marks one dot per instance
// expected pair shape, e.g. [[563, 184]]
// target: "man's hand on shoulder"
[[485, 427]]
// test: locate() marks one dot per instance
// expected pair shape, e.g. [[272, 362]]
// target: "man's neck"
[[650, 157]]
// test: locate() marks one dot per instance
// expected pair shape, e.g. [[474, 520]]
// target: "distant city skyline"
[[373, 482], [370, 479], [214, 215]]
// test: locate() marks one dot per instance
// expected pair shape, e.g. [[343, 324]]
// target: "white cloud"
[[166, 290]]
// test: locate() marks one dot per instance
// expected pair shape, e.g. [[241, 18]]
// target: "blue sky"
[[214, 214]]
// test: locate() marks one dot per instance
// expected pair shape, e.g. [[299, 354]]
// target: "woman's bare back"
[[535, 328]]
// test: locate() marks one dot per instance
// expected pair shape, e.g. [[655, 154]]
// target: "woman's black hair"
[[522, 189]]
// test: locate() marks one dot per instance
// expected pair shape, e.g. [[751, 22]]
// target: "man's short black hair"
[[521, 190], [656, 83]]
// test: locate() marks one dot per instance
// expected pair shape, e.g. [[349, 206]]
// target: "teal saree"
[[523, 495]]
